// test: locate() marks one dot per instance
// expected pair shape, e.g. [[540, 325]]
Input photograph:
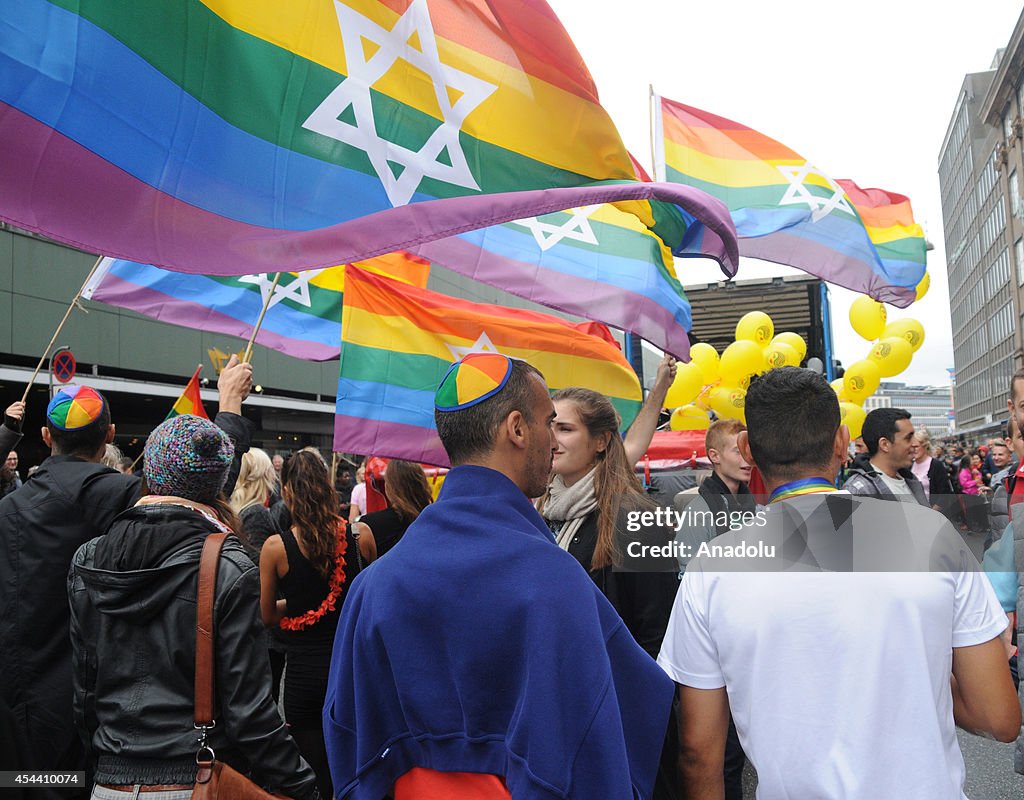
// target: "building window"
[[1014, 195], [1018, 256]]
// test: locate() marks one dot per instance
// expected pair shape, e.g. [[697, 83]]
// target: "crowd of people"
[[498, 642]]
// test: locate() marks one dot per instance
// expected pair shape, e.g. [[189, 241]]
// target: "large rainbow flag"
[[595, 262], [226, 137], [303, 316], [787, 210], [398, 341]]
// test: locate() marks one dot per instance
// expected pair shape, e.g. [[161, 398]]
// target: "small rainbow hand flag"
[[787, 210], [399, 341], [190, 402]]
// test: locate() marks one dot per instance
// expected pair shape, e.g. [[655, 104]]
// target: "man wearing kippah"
[[477, 659], [71, 499]]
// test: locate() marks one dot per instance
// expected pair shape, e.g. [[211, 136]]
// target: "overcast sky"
[[865, 91]]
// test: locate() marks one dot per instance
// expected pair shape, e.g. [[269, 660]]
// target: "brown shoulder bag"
[[215, 780]]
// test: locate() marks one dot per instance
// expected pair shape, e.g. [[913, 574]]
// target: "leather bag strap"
[[208, 562]]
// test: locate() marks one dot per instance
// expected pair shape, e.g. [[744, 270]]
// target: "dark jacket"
[[643, 599], [257, 527], [866, 481], [720, 498], [133, 630], [67, 502]]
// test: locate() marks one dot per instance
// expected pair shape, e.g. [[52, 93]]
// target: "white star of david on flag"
[[483, 344], [799, 194], [400, 169], [577, 228], [297, 289]]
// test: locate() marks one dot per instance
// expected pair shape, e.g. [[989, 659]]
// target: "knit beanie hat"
[[187, 456]]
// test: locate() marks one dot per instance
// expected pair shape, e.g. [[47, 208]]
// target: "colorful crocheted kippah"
[[187, 456], [74, 407], [472, 380]]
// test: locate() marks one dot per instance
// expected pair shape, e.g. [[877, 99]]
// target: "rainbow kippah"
[[472, 380], [74, 407]]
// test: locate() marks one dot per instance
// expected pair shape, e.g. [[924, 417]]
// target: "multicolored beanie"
[[187, 456], [75, 407], [472, 380]]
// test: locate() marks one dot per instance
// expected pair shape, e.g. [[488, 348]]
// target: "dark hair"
[[6, 479], [406, 489], [615, 482], [965, 462], [470, 432], [83, 442], [792, 418], [313, 504], [1017, 376], [881, 423]]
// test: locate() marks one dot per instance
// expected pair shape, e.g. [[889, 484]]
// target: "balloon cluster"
[[893, 345], [710, 382]]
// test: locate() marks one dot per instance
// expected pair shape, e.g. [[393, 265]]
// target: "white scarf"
[[570, 505]]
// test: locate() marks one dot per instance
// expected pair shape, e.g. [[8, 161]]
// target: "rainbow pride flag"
[[226, 137], [595, 262], [787, 210], [303, 316], [398, 341], [190, 401]]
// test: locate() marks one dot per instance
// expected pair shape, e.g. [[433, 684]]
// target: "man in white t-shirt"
[[831, 628], [885, 471]]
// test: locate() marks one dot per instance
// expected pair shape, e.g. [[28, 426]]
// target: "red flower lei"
[[331, 601]]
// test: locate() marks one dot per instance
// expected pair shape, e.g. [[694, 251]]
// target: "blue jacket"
[[477, 645]]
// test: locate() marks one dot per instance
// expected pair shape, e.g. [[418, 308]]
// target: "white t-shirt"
[[358, 498], [898, 486], [838, 681]]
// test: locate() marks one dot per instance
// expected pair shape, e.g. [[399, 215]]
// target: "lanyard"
[[800, 487]]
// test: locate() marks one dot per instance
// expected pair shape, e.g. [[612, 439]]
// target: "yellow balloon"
[[839, 389], [794, 340], [728, 402], [706, 357], [922, 287], [689, 418], [867, 317], [740, 360], [909, 329], [686, 386], [852, 416], [756, 327], [892, 355], [779, 354], [861, 380]]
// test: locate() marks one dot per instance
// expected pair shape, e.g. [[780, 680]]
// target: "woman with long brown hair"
[[593, 489], [311, 566], [408, 493]]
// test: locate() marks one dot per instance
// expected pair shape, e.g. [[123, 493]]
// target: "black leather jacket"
[[133, 618]]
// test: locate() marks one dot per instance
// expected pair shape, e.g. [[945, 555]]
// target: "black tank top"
[[304, 589]]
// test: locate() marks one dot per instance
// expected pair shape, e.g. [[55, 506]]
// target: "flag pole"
[[334, 467], [259, 321], [650, 127], [56, 333]]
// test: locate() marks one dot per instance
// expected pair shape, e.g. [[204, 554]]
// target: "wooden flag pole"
[[650, 124], [259, 321], [56, 333], [334, 468]]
